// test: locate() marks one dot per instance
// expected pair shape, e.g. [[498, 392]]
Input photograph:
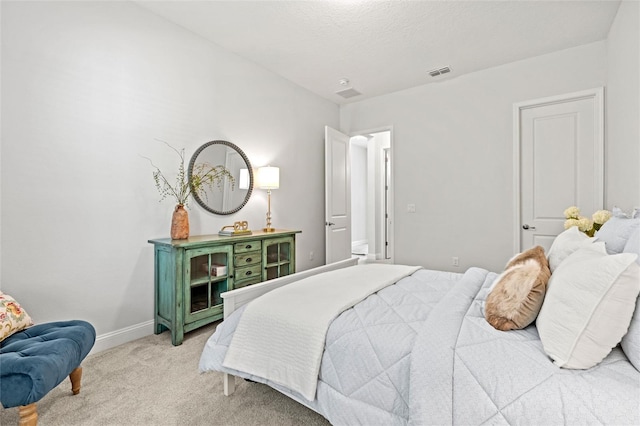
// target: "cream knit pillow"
[[566, 243]]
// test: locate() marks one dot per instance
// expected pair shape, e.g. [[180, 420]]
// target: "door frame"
[[391, 205], [598, 96], [388, 248]]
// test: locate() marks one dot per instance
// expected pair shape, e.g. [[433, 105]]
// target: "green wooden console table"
[[190, 274]]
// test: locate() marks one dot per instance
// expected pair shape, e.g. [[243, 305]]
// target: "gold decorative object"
[[238, 228]]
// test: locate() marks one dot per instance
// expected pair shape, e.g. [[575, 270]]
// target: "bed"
[[421, 351]]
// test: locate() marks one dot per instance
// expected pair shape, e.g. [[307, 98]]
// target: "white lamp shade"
[[268, 178]]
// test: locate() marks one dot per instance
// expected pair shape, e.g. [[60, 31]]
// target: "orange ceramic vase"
[[180, 223]]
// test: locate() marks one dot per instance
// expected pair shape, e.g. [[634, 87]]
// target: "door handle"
[[525, 227], [329, 223]]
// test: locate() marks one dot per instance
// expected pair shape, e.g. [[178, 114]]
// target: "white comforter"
[[421, 353], [281, 335]]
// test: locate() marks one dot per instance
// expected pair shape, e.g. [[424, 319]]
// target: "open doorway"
[[371, 196]]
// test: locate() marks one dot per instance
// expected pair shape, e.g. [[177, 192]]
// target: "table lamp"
[[268, 178]]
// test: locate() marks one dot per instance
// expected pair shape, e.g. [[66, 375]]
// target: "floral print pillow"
[[12, 317]]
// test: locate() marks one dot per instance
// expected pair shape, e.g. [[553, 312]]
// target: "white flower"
[[584, 224], [601, 216], [572, 212], [570, 222]]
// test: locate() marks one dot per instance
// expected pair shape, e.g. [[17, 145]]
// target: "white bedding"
[[421, 353], [286, 346]]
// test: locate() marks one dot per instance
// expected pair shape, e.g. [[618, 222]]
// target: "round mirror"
[[232, 190]]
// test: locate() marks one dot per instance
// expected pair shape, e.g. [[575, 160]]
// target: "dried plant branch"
[[203, 176]]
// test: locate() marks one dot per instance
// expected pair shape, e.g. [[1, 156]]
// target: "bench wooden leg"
[[28, 415], [76, 378]]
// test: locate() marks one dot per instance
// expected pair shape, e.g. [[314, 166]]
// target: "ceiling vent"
[[348, 93], [439, 71]]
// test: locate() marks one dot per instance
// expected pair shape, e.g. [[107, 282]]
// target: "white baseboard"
[[124, 335]]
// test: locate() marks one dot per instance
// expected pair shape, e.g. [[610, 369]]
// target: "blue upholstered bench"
[[37, 359]]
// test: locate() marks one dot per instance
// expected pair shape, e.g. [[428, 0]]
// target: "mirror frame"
[[192, 163]]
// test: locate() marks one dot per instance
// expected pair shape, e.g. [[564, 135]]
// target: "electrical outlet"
[[411, 208], [455, 261], [311, 255]]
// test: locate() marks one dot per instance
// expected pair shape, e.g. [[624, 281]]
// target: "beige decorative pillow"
[[588, 307], [517, 294], [12, 317]]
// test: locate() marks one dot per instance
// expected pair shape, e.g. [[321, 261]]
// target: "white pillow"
[[616, 231], [588, 306], [633, 244], [631, 341], [566, 243]]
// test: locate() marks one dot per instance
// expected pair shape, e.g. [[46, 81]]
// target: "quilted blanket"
[[420, 352], [281, 335]]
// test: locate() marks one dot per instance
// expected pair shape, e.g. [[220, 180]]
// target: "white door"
[[337, 196], [558, 163]]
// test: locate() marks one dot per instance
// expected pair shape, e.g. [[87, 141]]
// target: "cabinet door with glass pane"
[[278, 257], [207, 274]]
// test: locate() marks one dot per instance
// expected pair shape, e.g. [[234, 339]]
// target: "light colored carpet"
[[151, 382]]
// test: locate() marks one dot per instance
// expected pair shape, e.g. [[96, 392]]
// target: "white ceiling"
[[386, 46]]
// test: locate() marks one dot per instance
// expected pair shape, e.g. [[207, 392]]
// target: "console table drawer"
[[246, 259], [247, 246], [247, 273], [245, 283]]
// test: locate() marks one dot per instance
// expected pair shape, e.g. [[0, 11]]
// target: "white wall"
[[87, 88], [623, 108], [453, 154]]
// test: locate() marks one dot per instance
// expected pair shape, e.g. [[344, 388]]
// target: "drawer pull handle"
[[248, 273], [248, 246], [248, 259]]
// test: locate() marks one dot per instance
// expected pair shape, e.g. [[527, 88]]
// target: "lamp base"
[[269, 229]]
